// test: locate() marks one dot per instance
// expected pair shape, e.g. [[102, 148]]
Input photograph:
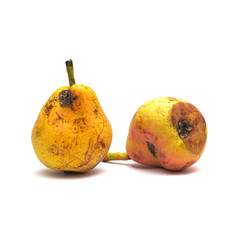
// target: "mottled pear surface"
[[72, 133], [167, 132]]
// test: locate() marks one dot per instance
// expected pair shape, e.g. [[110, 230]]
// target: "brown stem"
[[69, 65]]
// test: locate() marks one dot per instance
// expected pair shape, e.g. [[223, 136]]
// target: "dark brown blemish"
[[180, 115], [38, 133], [79, 124], [75, 98], [65, 98], [95, 112], [103, 145], [152, 149], [65, 146], [184, 128], [162, 155], [48, 108], [75, 130], [135, 156], [190, 126], [54, 150], [79, 121], [145, 132], [59, 117]]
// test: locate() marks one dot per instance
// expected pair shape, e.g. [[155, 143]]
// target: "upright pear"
[[72, 132]]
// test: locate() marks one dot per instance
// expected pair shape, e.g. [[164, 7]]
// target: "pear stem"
[[69, 65], [116, 156]]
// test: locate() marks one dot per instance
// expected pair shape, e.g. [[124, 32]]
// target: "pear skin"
[[72, 132], [167, 132]]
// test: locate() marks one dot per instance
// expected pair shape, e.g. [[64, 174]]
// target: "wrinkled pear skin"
[[156, 139], [72, 133]]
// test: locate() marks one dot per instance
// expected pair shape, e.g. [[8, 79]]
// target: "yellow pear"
[[165, 132], [72, 132]]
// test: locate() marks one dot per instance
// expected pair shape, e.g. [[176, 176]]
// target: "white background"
[[129, 52]]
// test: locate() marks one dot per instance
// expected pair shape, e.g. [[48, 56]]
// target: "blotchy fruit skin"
[[72, 133], [167, 132]]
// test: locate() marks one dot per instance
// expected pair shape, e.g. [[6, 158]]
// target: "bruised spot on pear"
[[152, 149], [65, 98], [135, 156], [49, 106], [102, 143], [190, 125], [184, 128], [96, 112], [79, 121], [162, 155]]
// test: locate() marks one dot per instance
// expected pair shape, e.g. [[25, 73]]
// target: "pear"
[[165, 132], [72, 132]]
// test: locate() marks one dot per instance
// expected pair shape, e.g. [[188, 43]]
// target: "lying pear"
[[165, 132], [72, 133]]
